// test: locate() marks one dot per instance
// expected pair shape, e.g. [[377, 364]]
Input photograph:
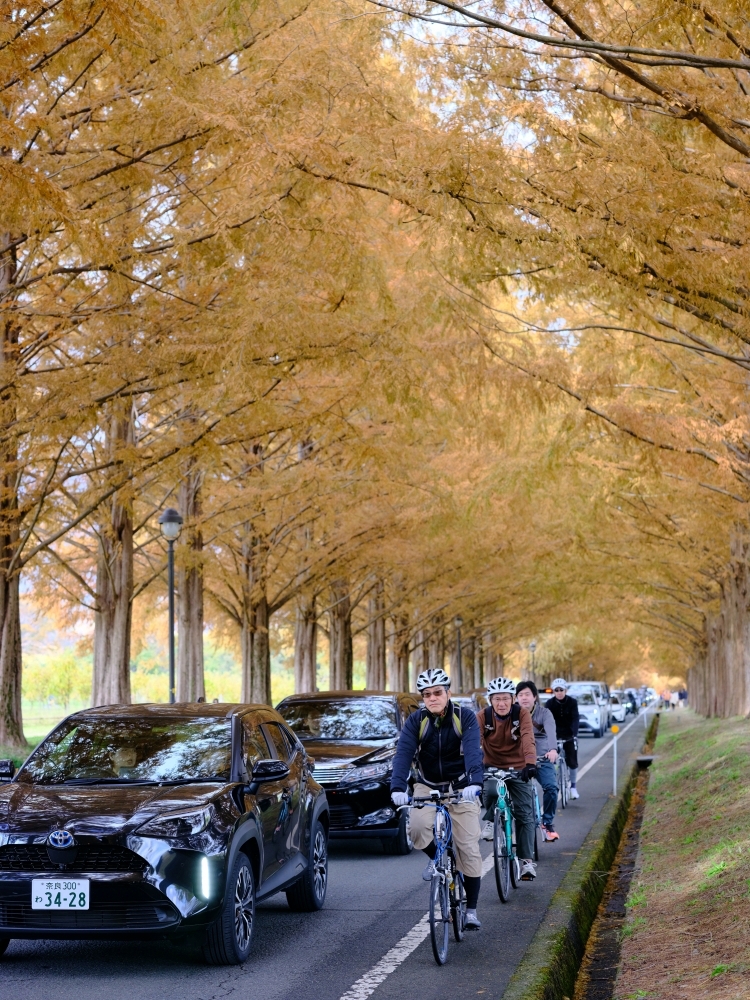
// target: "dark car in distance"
[[352, 736], [141, 820]]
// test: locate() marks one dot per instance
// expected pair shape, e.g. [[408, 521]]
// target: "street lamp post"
[[458, 622], [170, 523], [532, 650]]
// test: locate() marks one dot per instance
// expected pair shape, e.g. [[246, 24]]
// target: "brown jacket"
[[509, 744]]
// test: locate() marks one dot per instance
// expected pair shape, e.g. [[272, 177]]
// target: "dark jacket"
[[565, 711], [440, 758]]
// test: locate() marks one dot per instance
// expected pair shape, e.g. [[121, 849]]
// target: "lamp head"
[[170, 523], [458, 621]]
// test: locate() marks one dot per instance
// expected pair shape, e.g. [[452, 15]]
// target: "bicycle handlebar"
[[419, 801], [502, 772]]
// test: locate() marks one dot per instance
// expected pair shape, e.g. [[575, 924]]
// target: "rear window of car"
[[341, 719]]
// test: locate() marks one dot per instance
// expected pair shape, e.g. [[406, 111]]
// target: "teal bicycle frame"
[[507, 867]]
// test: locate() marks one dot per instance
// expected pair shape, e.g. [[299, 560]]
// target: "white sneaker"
[[488, 830], [472, 920], [429, 871], [528, 871], [574, 793]]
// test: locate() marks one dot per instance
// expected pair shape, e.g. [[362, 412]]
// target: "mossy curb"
[[550, 966]]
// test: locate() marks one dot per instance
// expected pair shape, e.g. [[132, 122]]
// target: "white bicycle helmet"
[[432, 678], [501, 685], [559, 682]]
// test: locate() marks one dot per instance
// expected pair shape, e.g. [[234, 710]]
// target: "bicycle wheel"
[[439, 919], [458, 906], [563, 783], [536, 844], [501, 852], [515, 867]]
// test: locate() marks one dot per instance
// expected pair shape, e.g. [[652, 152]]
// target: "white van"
[[593, 707]]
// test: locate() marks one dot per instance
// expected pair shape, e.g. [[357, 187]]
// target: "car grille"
[[343, 817], [90, 858], [329, 774], [125, 915]]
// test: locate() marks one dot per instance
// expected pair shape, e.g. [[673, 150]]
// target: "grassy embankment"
[[687, 935]]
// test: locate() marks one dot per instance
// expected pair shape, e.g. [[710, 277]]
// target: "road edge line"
[[550, 964]]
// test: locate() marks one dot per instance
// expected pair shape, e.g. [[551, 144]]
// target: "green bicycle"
[[507, 865]]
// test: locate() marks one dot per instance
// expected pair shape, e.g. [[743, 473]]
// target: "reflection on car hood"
[[333, 751], [94, 810]]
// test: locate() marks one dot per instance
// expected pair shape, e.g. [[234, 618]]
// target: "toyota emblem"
[[61, 839]]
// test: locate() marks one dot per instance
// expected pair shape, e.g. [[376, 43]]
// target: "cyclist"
[[443, 740], [545, 735], [565, 710], [508, 742]]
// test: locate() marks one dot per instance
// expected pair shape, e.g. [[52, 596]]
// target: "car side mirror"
[[7, 770], [268, 770]]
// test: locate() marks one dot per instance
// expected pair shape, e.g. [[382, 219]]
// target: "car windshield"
[[342, 719], [585, 698], [123, 750]]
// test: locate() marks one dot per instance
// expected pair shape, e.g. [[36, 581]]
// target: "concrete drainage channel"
[[550, 969]]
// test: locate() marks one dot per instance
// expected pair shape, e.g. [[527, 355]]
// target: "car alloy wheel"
[[320, 863], [244, 908], [308, 894]]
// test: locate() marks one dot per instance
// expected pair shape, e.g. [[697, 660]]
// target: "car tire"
[[228, 939], [597, 734], [4, 942], [401, 843], [309, 893]]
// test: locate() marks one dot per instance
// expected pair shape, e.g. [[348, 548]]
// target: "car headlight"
[[364, 773], [173, 825]]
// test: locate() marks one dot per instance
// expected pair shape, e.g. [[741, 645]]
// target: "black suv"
[[133, 820], [352, 735]]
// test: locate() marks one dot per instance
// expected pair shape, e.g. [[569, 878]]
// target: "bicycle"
[[562, 773], [537, 812], [507, 865], [447, 890]]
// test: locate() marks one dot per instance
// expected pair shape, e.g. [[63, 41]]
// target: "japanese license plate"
[[60, 894]]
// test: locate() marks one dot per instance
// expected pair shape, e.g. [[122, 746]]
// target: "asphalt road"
[[373, 902]]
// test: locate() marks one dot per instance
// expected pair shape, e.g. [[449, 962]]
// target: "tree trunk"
[[469, 653], [398, 654], [376, 653], [479, 674], [114, 583], [719, 680], [11, 719], [457, 664], [306, 645], [190, 679], [254, 641], [419, 657], [436, 646], [341, 661]]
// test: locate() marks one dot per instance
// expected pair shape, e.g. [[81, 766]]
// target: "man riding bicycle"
[[443, 740], [508, 743], [565, 710], [545, 736]]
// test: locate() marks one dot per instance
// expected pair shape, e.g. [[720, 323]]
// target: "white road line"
[[366, 985], [605, 749]]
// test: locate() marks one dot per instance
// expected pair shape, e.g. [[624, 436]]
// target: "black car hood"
[[343, 751], [94, 810]]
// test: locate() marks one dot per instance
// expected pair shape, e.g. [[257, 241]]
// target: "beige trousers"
[[465, 822]]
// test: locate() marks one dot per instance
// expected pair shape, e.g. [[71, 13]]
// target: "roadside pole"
[[615, 731]]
